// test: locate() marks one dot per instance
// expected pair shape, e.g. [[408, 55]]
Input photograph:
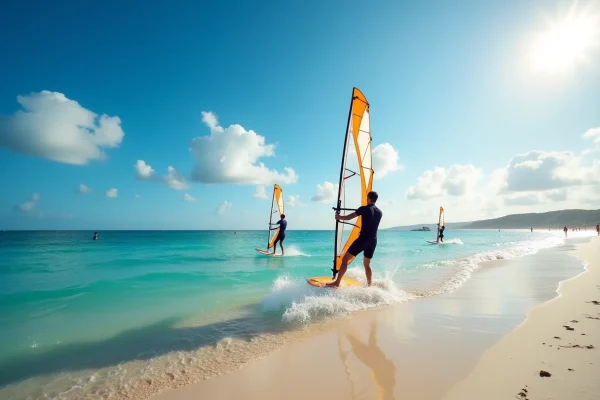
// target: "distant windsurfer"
[[367, 238], [281, 225], [95, 235], [441, 233]]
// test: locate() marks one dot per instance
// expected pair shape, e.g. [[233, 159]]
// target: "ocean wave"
[[304, 303], [462, 268]]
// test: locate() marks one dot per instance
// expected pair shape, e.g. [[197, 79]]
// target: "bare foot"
[[333, 284]]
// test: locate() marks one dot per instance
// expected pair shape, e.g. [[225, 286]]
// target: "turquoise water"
[[73, 310]]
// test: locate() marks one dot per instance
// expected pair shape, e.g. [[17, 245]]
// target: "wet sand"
[[554, 354], [457, 346]]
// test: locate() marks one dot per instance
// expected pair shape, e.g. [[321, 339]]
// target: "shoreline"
[[388, 352], [570, 321]]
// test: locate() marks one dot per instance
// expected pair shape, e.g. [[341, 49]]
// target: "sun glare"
[[567, 41]]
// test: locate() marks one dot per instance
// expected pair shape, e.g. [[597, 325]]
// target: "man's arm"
[[346, 217]]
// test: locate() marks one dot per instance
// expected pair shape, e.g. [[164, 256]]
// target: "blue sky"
[[451, 85]]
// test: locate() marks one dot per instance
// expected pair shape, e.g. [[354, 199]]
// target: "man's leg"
[[368, 272], [275, 245], [342, 271], [281, 245]]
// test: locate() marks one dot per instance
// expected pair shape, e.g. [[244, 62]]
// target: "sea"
[[137, 310]]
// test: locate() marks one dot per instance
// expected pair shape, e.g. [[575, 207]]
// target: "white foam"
[[452, 241], [304, 303], [293, 251], [465, 266]]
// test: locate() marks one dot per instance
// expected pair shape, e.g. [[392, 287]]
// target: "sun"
[[567, 41]]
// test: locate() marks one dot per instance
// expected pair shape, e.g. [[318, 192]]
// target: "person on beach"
[[367, 237], [282, 225], [598, 229], [95, 235], [441, 233], [565, 229]]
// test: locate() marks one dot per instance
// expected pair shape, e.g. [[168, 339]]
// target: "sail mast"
[[270, 219], [340, 186]]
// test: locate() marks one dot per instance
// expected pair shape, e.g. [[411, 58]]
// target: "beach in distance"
[[138, 313]]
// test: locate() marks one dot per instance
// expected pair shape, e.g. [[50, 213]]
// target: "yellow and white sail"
[[356, 174], [276, 210]]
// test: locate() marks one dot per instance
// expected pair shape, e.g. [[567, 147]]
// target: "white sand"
[[447, 347], [511, 368]]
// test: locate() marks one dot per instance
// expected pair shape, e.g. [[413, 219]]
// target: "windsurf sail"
[[440, 223], [276, 210], [356, 175]]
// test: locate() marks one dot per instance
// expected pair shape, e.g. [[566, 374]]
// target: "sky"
[[182, 115]]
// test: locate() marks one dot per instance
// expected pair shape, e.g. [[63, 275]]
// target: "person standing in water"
[[565, 230], [282, 225], [95, 235], [367, 238], [598, 229], [441, 233]]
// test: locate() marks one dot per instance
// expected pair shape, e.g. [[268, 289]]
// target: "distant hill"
[[540, 220], [549, 219]]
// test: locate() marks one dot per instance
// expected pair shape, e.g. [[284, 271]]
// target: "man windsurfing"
[[282, 225], [441, 233], [367, 238]]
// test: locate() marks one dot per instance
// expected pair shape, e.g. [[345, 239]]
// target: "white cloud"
[[144, 171], [112, 193], [293, 201], [29, 204], [223, 207], [557, 195], [84, 189], [54, 127], [385, 160], [260, 193], [594, 135], [539, 170], [187, 197], [230, 155], [173, 179], [527, 199], [326, 193], [458, 180], [533, 198]]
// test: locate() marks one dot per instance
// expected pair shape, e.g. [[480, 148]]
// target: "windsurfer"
[[367, 239], [441, 233], [282, 225]]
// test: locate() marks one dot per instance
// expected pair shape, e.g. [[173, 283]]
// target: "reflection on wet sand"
[[382, 369]]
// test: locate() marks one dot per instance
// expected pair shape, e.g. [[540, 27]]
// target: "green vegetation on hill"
[[551, 219]]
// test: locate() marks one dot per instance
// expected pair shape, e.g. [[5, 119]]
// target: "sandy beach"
[[554, 353], [488, 339]]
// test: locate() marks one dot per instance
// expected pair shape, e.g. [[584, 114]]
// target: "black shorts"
[[359, 245], [280, 238]]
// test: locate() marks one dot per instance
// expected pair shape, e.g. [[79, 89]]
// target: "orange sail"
[[356, 175], [277, 210]]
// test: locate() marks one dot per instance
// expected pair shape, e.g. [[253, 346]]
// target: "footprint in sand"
[[545, 374], [574, 321], [596, 302], [567, 327]]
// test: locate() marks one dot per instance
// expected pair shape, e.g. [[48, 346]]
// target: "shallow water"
[[82, 318]]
